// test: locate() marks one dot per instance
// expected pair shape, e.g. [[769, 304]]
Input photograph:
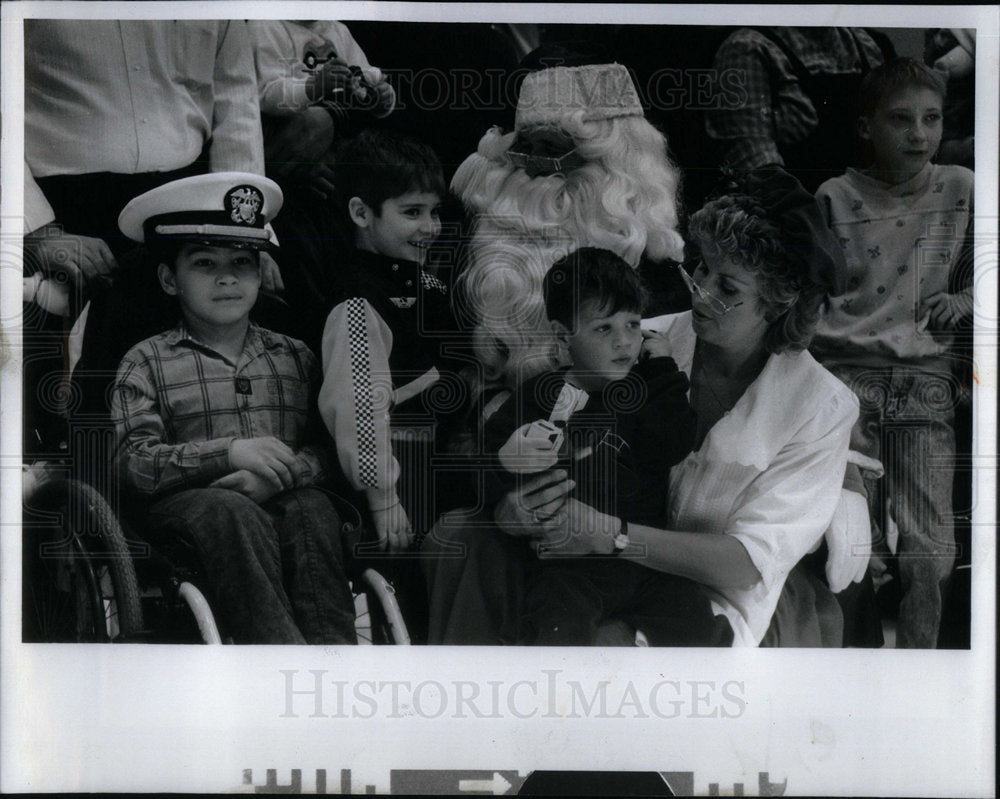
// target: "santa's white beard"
[[585, 206], [523, 226], [502, 290]]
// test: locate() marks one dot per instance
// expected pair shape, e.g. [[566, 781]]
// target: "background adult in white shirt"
[[129, 103]]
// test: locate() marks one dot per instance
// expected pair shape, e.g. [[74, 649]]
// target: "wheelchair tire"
[[79, 580], [387, 625]]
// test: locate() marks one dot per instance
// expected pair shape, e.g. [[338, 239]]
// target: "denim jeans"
[[907, 422], [274, 573]]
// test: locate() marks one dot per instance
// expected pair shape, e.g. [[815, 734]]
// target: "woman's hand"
[[586, 532], [536, 507]]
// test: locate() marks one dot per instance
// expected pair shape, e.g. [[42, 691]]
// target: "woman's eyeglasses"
[[714, 302]]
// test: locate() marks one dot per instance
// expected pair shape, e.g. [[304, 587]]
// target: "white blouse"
[[769, 472]]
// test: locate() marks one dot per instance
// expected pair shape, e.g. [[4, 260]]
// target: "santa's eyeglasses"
[[545, 164]]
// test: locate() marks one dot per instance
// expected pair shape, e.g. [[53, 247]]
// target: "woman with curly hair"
[[771, 443]]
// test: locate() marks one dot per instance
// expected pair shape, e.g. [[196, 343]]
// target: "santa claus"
[[582, 168]]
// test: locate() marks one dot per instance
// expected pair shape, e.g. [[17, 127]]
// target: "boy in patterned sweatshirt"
[[905, 225]]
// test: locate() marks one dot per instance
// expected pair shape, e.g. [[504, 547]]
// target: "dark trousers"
[[475, 580], [274, 572], [486, 587], [567, 600], [89, 205]]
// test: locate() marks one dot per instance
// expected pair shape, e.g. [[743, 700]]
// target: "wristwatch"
[[622, 539]]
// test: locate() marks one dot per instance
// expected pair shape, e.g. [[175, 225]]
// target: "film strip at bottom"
[[505, 782]]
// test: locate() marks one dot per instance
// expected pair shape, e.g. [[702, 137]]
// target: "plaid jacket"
[[177, 405], [776, 110]]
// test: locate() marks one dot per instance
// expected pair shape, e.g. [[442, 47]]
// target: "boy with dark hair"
[[616, 425], [380, 354], [212, 419], [378, 165], [905, 225]]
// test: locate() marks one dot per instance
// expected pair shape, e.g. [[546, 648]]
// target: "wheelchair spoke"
[[363, 619], [59, 605], [110, 606]]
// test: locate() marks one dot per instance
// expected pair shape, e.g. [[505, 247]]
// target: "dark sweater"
[[618, 447]]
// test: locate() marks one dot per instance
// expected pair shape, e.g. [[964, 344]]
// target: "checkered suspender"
[[357, 329], [429, 281]]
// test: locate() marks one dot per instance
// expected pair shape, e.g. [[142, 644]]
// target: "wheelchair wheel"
[[79, 583], [385, 623]]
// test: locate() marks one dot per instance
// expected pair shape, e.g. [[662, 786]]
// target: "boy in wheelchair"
[[211, 419]]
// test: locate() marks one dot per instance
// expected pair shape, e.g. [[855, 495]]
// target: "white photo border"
[[187, 718]]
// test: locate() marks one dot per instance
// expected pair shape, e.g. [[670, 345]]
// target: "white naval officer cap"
[[228, 209]]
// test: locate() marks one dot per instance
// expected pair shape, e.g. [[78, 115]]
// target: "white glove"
[[532, 448], [848, 541]]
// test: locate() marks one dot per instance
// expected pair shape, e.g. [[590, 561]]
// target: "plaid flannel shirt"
[[777, 110], [178, 405]]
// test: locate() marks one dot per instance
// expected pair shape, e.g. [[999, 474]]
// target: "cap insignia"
[[243, 204]]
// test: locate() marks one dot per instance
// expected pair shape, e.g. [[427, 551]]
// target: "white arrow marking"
[[496, 786]]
